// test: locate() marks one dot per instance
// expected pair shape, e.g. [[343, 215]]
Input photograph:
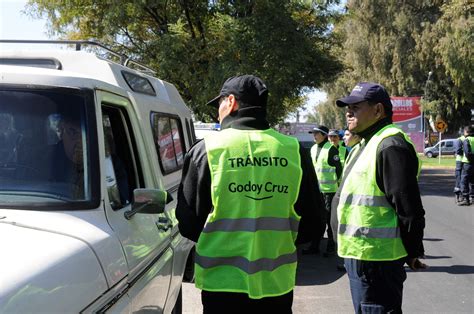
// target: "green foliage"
[[396, 43], [198, 44]]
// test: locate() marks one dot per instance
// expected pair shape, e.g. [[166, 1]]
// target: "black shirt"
[[194, 194]]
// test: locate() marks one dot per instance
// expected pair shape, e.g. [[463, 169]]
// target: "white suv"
[[90, 163]]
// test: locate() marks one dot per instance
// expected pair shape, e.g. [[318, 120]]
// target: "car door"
[[449, 148], [126, 167]]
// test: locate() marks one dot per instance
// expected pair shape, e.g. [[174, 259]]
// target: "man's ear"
[[233, 104], [379, 110]]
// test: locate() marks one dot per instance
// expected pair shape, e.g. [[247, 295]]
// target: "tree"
[[198, 44], [396, 43]]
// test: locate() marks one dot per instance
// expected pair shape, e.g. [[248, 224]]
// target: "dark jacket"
[[396, 176], [194, 194]]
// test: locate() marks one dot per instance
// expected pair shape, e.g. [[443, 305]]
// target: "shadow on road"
[[436, 257], [452, 269], [433, 239], [438, 182], [316, 269]]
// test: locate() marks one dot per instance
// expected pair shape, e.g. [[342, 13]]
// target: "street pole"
[[439, 147], [430, 73]]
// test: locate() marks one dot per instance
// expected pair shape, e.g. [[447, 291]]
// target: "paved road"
[[446, 287]]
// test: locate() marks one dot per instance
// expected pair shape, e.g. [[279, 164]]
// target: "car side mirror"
[[148, 201]]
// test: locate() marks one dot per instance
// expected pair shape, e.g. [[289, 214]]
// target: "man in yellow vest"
[[242, 194], [328, 169], [459, 153], [467, 175], [379, 210]]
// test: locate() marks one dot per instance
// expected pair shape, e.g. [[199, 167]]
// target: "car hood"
[[46, 268]]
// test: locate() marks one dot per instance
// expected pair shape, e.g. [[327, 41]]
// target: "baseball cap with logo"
[[367, 91], [333, 132], [321, 129], [250, 90]]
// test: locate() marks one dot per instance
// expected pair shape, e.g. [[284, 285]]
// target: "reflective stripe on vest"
[[368, 224], [253, 225], [249, 267], [355, 231], [247, 244], [470, 139], [326, 174]]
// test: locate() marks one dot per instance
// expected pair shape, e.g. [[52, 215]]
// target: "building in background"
[[300, 130]]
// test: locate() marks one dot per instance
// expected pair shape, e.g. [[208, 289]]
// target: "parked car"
[[448, 147], [90, 166]]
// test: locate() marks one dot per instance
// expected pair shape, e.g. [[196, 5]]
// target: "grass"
[[446, 162]]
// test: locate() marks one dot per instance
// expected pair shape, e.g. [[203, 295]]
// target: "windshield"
[[44, 148]]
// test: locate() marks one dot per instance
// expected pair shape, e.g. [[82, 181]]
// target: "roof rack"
[[124, 60]]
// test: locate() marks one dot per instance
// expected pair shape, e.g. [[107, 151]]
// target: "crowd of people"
[[247, 218]]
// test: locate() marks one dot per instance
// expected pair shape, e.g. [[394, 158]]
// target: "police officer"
[[328, 169], [242, 194], [379, 209], [459, 165], [335, 140], [467, 175]]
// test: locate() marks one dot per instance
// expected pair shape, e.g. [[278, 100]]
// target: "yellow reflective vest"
[[471, 144], [247, 244], [368, 224], [327, 177]]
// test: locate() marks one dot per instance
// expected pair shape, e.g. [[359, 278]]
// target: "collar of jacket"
[[322, 143], [251, 118], [371, 130]]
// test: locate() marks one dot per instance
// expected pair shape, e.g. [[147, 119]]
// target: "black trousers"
[[467, 180], [230, 303], [331, 245], [457, 173]]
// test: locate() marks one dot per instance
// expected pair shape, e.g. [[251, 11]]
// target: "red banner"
[[406, 108]]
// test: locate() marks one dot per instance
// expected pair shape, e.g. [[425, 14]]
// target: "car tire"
[[178, 306], [429, 154]]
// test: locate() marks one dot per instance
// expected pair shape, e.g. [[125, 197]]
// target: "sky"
[[17, 25]]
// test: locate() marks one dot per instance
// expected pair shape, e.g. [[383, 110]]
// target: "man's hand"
[[415, 264]]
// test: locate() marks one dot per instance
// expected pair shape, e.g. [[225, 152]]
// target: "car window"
[[169, 141], [121, 172], [45, 148]]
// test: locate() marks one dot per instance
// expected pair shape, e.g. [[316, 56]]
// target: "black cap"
[[333, 132], [249, 90], [367, 91], [320, 128]]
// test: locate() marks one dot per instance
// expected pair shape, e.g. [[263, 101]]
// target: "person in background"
[[328, 169], [241, 197], [467, 175], [335, 140], [350, 139], [67, 155], [380, 213], [459, 153]]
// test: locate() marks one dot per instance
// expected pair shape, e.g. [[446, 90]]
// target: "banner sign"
[[407, 115]]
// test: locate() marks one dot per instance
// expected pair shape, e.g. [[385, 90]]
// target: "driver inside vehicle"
[[67, 156]]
